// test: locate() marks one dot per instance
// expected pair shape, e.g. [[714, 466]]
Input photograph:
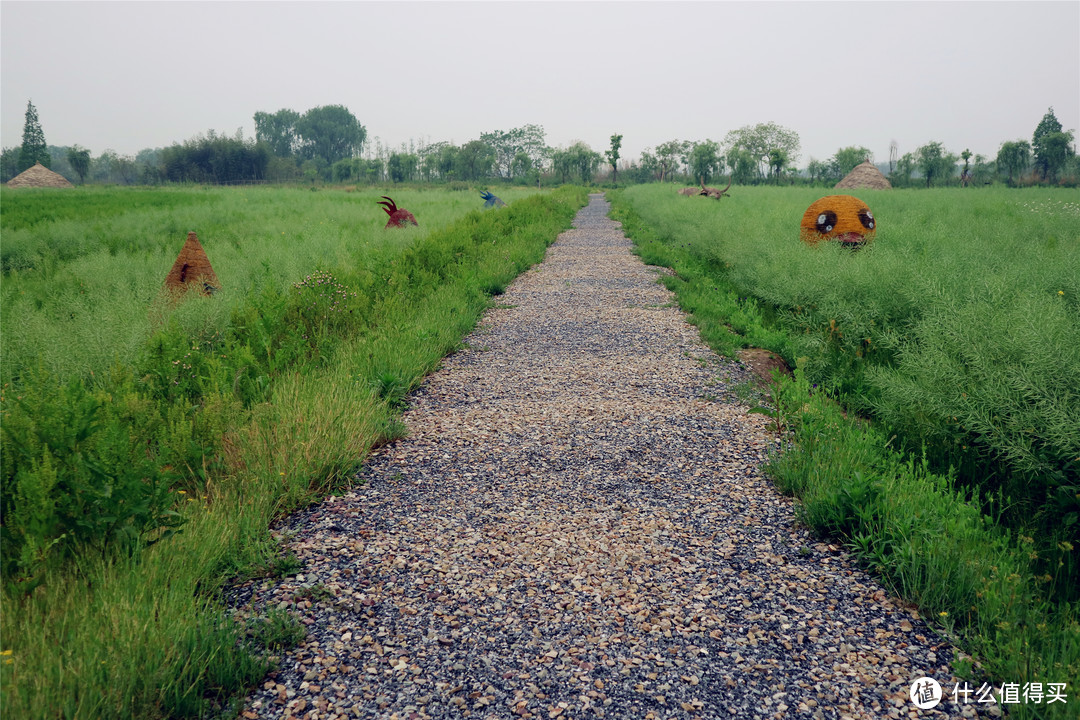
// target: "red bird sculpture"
[[398, 216]]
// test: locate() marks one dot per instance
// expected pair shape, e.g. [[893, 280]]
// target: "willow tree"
[[1013, 158]]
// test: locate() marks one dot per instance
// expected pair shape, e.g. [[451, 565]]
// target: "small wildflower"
[[1061, 292], [943, 613]]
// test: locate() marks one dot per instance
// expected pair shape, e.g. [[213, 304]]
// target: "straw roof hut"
[[39, 176], [865, 175], [192, 270]]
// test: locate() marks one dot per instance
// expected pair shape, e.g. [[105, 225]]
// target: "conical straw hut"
[[192, 270], [865, 175], [39, 176]]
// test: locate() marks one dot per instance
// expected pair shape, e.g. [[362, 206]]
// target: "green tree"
[[845, 160], [705, 160], [905, 165], [1057, 149], [778, 160], [743, 165], [446, 161], [758, 140], [79, 157], [982, 171], [650, 166], [612, 156], [329, 133], [585, 161], [562, 164], [667, 156], [278, 131], [1013, 158], [1051, 146], [402, 166], [528, 139], [101, 167], [934, 162], [9, 163], [965, 176], [474, 161], [1047, 126], [818, 170], [213, 158], [34, 149]]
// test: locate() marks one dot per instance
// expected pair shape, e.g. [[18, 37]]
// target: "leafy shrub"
[[77, 476]]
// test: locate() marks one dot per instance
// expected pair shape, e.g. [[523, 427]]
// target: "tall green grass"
[[979, 583], [282, 401], [958, 331], [77, 290], [957, 326]]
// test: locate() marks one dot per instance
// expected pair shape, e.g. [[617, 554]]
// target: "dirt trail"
[[577, 527]]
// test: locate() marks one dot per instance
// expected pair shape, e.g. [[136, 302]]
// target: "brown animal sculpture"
[[398, 216], [713, 192]]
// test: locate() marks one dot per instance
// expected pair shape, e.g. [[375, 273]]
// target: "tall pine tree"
[[34, 150]]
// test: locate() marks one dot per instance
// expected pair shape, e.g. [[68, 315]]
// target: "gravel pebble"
[[577, 527]]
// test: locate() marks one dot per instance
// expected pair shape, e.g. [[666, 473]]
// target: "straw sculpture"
[[39, 176], [864, 176], [843, 218], [192, 270]]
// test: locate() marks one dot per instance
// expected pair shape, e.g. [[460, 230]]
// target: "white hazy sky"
[[132, 75]]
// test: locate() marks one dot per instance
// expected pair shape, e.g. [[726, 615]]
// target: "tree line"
[[329, 144]]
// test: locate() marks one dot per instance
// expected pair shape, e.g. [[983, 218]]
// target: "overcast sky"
[[132, 75]]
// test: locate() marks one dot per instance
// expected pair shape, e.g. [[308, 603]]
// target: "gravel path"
[[577, 527]]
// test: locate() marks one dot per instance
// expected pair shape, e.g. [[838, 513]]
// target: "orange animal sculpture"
[[843, 218], [398, 216]]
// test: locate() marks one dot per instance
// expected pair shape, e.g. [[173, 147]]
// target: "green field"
[[147, 447], [957, 334], [958, 325], [82, 269]]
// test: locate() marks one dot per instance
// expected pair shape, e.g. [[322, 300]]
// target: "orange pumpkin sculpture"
[[844, 218]]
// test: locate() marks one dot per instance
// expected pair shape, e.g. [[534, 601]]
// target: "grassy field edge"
[[145, 634], [911, 527]]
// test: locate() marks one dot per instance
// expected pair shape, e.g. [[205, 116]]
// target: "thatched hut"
[[39, 176], [865, 175]]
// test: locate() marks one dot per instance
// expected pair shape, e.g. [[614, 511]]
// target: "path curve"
[[577, 527]]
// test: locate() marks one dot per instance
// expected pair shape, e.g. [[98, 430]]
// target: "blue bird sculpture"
[[490, 200]]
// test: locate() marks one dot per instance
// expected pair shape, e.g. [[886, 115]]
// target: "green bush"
[[78, 476]]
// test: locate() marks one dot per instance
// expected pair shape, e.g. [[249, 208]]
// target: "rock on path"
[[577, 527]]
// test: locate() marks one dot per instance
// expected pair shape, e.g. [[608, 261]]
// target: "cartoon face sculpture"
[[844, 218]]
